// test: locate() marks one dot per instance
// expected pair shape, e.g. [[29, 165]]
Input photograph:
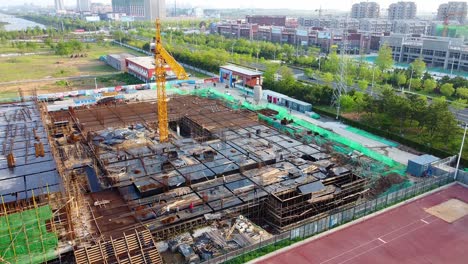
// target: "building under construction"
[[96, 181]]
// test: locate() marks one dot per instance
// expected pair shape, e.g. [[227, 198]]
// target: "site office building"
[[143, 68]]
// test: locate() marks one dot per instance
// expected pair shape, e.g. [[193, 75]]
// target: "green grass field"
[[53, 66]]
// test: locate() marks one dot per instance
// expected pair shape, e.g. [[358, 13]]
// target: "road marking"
[[422, 220], [383, 241]]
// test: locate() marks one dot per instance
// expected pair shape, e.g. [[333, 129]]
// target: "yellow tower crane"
[[161, 58]]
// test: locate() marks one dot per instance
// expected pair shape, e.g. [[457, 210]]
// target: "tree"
[[332, 62], [418, 109], [447, 89], [269, 79], [327, 77], [363, 84], [31, 46], [416, 84], [347, 102], [309, 72], [440, 122], [286, 73], [400, 79], [458, 105], [462, 92], [429, 85], [48, 41], [384, 58], [418, 66], [360, 100], [63, 49]]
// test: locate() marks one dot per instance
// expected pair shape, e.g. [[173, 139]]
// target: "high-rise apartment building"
[[83, 5], [453, 11], [402, 10], [140, 9], [365, 10], [59, 6]]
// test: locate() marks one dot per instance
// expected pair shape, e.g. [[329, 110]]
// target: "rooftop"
[[145, 62], [241, 70], [21, 134]]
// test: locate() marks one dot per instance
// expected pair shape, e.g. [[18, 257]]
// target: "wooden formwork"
[[137, 248]]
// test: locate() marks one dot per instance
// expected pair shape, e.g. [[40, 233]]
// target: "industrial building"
[[286, 101], [141, 9], [447, 53], [143, 68], [279, 21], [117, 61], [235, 75]]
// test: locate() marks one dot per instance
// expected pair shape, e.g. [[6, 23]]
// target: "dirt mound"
[[384, 183]]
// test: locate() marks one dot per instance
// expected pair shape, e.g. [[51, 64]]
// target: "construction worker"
[[191, 207]]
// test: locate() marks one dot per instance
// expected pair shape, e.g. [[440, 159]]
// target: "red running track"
[[406, 234]]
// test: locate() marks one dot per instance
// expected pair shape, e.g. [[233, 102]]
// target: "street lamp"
[[460, 153]]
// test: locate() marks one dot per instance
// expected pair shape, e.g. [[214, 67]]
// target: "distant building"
[[452, 11], [99, 8], [402, 10], [83, 6], [143, 68], [117, 61], [335, 23], [365, 10], [59, 6], [140, 9], [375, 25], [411, 27], [237, 30], [447, 53], [279, 21], [198, 12]]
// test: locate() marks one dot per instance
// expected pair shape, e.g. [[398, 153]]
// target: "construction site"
[[111, 184], [97, 180]]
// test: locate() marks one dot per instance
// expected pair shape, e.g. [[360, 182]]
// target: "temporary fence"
[[332, 220], [24, 237]]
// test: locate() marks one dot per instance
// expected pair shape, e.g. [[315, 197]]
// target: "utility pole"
[[340, 87], [460, 153]]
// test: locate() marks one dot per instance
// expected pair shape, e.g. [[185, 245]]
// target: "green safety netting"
[[24, 237], [371, 136], [299, 126], [396, 187]]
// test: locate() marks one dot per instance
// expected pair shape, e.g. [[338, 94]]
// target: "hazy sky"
[[422, 5]]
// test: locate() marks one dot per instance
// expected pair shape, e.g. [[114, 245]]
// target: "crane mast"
[[161, 58]]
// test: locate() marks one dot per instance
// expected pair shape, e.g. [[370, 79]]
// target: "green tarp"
[[24, 237]]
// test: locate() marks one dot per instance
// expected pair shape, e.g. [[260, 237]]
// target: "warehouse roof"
[[424, 159], [241, 70], [145, 62]]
